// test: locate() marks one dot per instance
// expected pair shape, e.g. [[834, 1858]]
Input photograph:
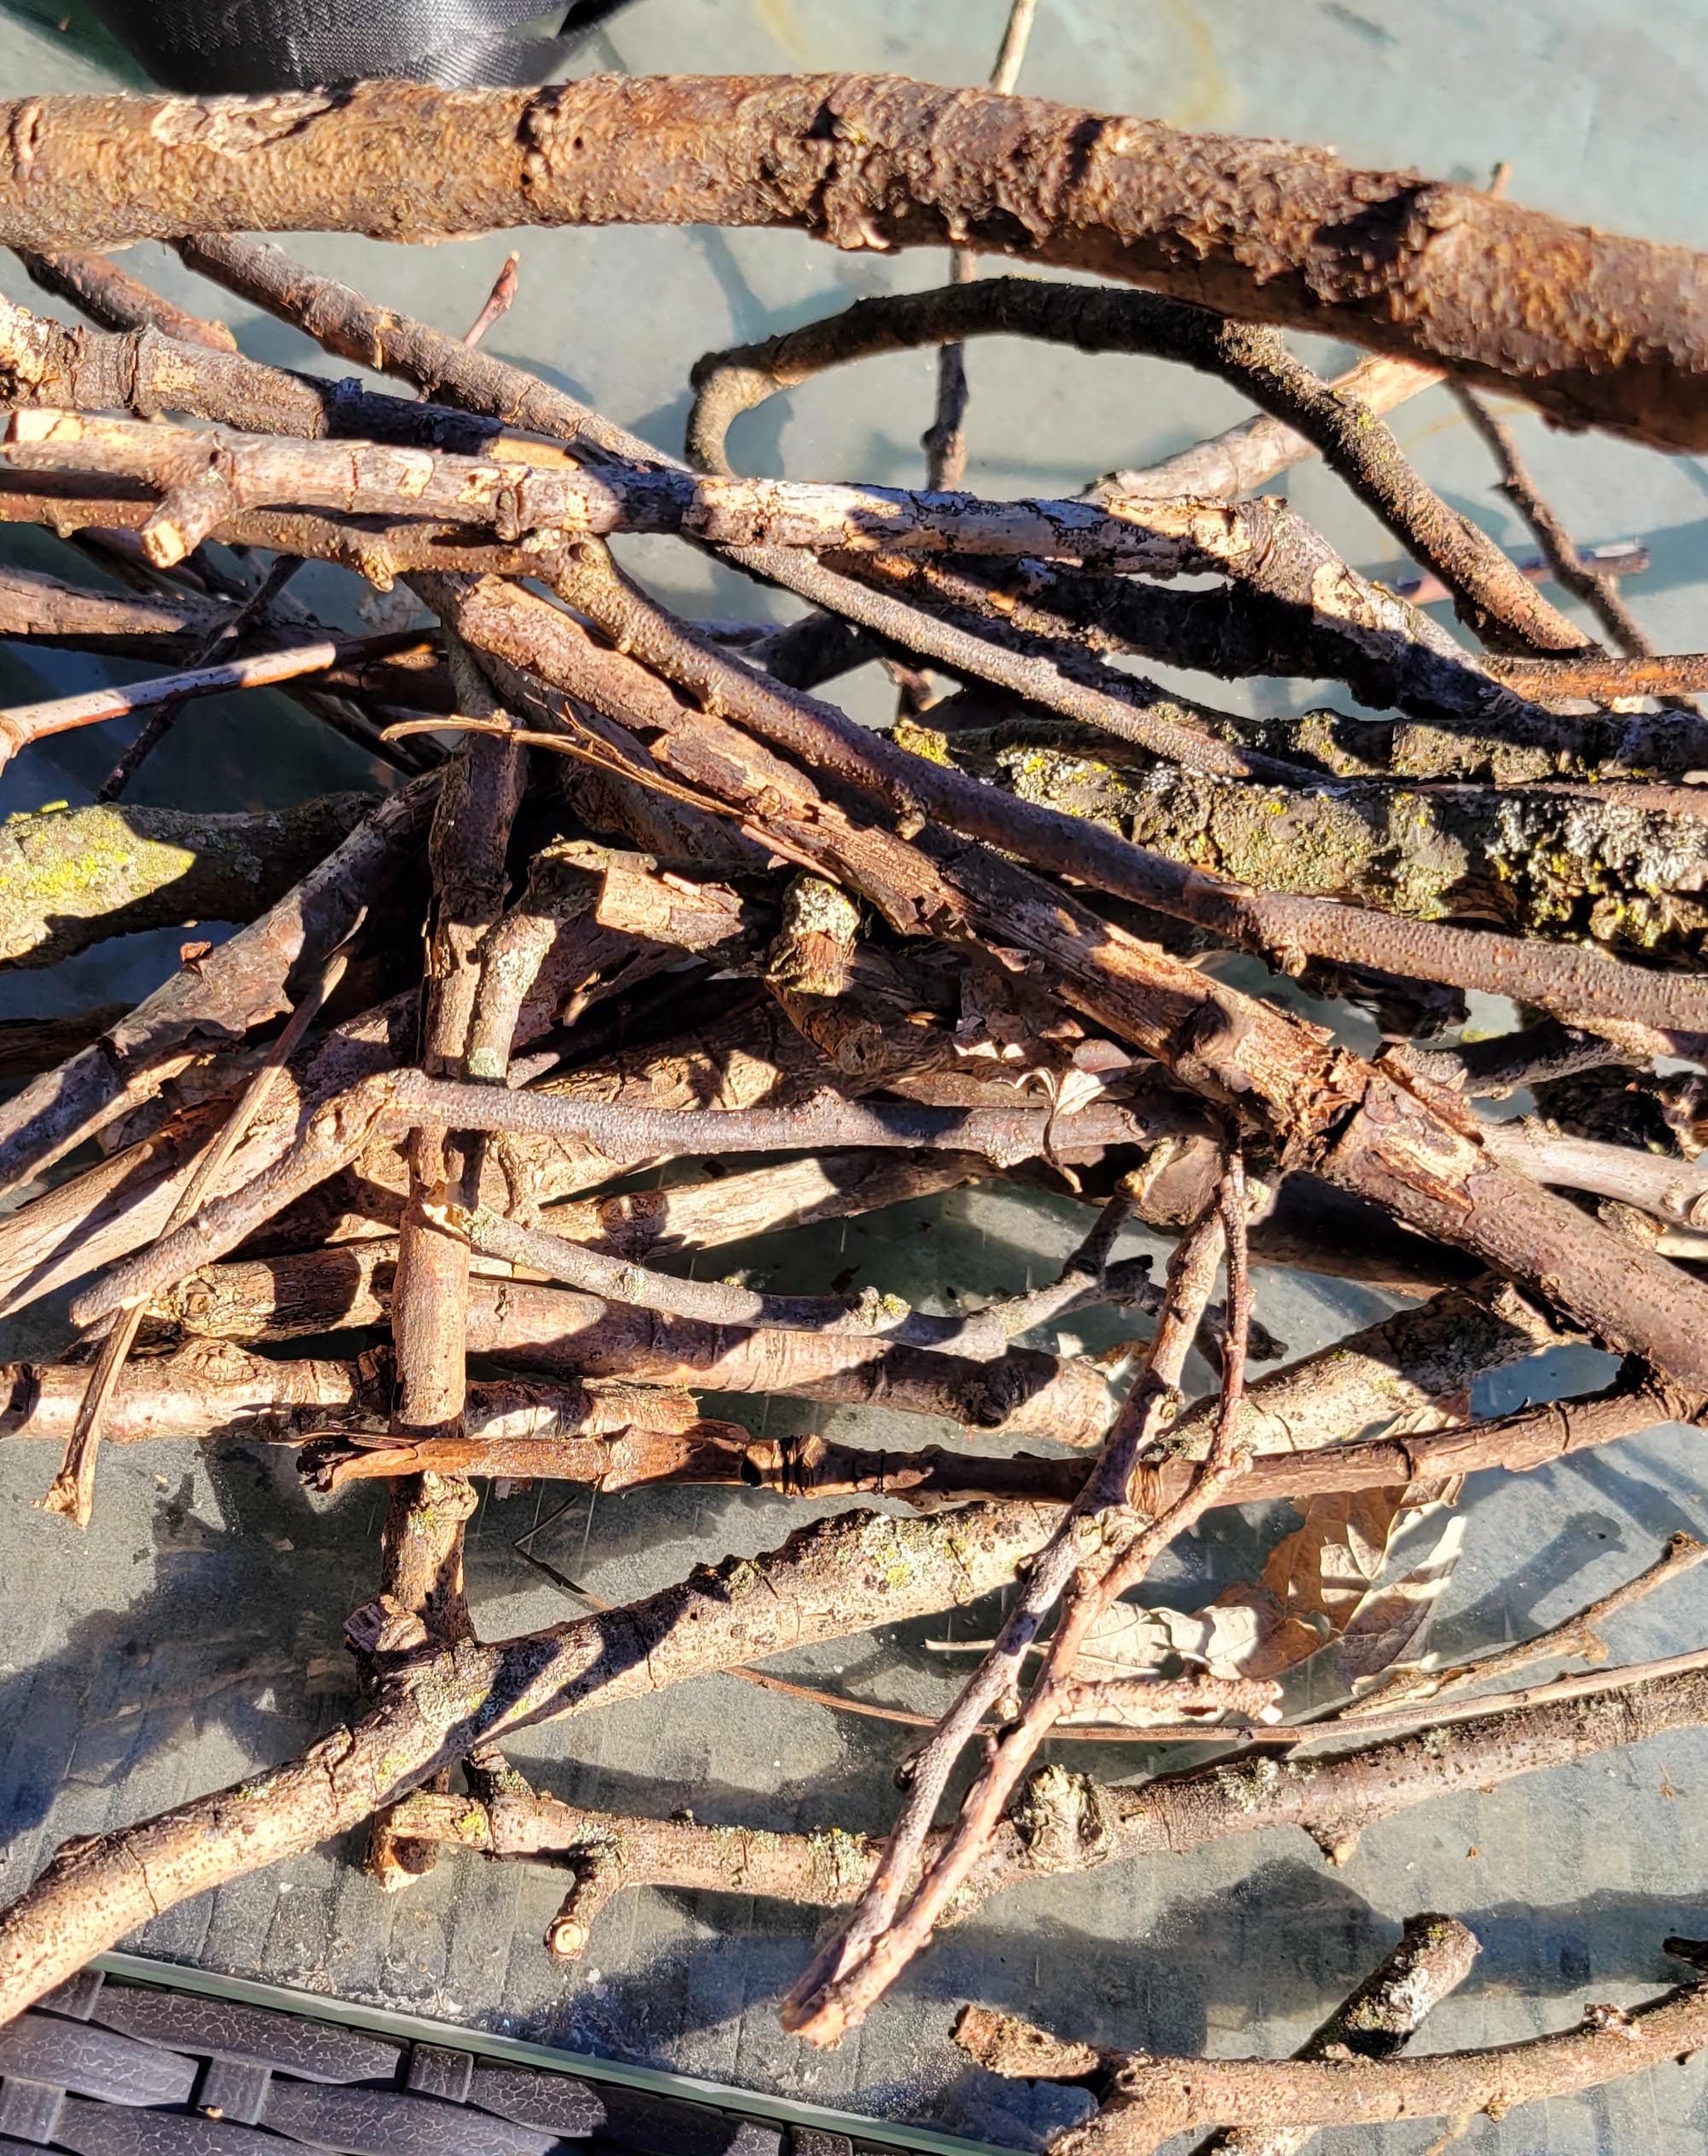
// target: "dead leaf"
[[1392, 1621]]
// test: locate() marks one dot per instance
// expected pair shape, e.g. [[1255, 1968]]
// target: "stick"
[[882, 1924], [239, 985], [391, 1102], [24, 724], [1432, 1957], [111, 297], [205, 479], [886, 1930], [164, 716], [873, 1316], [841, 1575], [1160, 2097], [1574, 1636], [1572, 982], [73, 1491], [1349, 437], [1065, 1823], [1598, 331]]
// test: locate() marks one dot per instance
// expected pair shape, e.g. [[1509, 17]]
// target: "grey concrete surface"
[[194, 1633]]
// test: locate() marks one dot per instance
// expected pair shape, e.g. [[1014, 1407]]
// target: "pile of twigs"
[[681, 908]]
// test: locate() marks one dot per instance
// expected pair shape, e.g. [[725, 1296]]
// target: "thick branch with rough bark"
[[1598, 330], [70, 878]]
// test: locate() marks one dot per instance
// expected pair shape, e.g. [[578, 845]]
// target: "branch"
[[72, 877], [392, 1103], [1066, 1823], [111, 297], [1599, 593], [437, 1704], [1224, 1043], [1599, 330], [77, 616], [1245, 458], [1432, 1957], [206, 478], [1672, 1189], [72, 1490], [1155, 2098], [873, 1316], [237, 986], [1554, 863], [1349, 435], [1571, 981], [24, 724], [1576, 1637], [1291, 608]]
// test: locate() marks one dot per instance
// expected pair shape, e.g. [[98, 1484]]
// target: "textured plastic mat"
[[108, 2067]]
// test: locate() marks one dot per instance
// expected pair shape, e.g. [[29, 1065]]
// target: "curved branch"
[[1349, 437]]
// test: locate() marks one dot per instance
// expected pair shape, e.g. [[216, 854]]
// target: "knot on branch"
[[1065, 1820]]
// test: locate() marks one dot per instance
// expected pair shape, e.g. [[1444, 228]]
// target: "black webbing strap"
[[208, 46]]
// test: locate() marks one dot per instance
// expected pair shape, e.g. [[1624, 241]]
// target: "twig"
[[1573, 983], [1578, 1635], [24, 724], [1675, 1190], [165, 715], [438, 1704], [111, 297], [871, 1317], [394, 1102], [890, 1922], [945, 442], [1065, 1823], [205, 479], [72, 1490], [1599, 591]]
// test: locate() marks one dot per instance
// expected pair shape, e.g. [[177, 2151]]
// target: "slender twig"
[[164, 716], [73, 1491], [24, 724], [945, 442], [891, 1921], [1578, 1635]]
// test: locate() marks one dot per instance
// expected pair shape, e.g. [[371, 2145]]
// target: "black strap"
[[208, 46]]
